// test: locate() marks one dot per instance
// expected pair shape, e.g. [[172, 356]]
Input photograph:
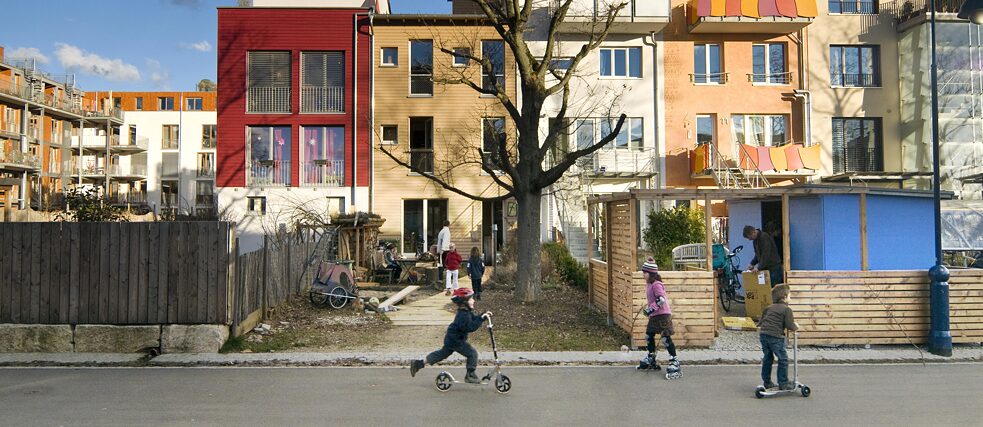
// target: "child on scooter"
[[660, 321], [456, 338], [776, 318]]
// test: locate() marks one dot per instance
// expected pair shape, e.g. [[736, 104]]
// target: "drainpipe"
[[806, 98], [23, 149], [655, 106], [372, 109], [355, 107]]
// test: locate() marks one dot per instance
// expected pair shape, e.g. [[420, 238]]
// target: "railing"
[[634, 9], [908, 9], [316, 99], [19, 158], [621, 160], [205, 200], [771, 78], [9, 87], [100, 113], [142, 142], [858, 160], [168, 143], [708, 78], [855, 80], [422, 159], [757, 179], [131, 170], [168, 199], [330, 173], [853, 7], [268, 100], [128, 198], [268, 172]]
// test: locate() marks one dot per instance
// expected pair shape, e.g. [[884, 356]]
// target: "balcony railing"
[[708, 78], [858, 160], [638, 16], [120, 171], [905, 10], [140, 144], [128, 199], [771, 78], [322, 99], [422, 159], [206, 169], [18, 159], [268, 172], [326, 173], [855, 80], [619, 161], [101, 113], [866, 7], [268, 100]]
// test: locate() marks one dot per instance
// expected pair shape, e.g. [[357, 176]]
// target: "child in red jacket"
[[452, 262]]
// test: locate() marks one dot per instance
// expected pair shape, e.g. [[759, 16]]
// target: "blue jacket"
[[465, 322], [476, 268]]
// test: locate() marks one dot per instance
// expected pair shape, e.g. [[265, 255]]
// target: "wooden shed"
[[856, 260]]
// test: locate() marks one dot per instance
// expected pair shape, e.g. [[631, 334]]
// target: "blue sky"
[[128, 45]]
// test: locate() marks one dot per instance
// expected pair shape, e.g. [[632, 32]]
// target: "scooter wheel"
[[503, 384], [806, 391], [443, 382], [757, 393]]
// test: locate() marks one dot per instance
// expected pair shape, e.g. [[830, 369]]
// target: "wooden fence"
[[115, 273], [268, 277]]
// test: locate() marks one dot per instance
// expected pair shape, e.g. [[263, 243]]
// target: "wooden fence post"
[[263, 297], [236, 288]]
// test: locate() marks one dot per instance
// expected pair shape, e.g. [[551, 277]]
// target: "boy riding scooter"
[[456, 338]]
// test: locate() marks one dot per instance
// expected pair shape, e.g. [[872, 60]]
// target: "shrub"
[[570, 271], [669, 228], [84, 205]]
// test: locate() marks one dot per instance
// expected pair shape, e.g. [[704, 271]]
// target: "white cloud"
[[159, 76], [75, 59], [187, 3], [22, 53], [202, 46]]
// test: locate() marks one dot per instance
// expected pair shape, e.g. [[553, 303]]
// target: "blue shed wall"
[[742, 213], [841, 238], [900, 233], [806, 233]]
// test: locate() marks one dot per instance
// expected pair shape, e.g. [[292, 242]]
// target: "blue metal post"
[[939, 339]]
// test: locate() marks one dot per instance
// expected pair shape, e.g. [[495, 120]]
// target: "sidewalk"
[[611, 358]]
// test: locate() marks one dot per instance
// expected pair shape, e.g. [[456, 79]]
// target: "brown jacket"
[[776, 319], [766, 253]]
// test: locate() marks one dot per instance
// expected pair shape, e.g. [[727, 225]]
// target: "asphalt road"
[[895, 395]]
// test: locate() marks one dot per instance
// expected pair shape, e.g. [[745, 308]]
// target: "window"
[[492, 138], [209, 134], [421, 143], [169, 193], [390, 57], [493, 51], [268, 156], [194, 104], [706, 64], [322, 156], [204, 193], [704, 130], [853, 7], [165, 103], [462, 56], [585, 133], [855, 66], [768, 63], [759, 131], [631, 136], [206, 164], [117, 103], [390, 134], [561, 64], [268, 82], [139, 103], [336, 205], [169, 137], [421, 67], [857, 145], [256, 205], [621, 62], [322, 88], [133, 134]]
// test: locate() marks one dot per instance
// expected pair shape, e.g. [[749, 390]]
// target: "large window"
[[268, 159], [206, 164], [768, 63], [494, 52], [621, 62], [193, 104], [492, 137], [169, 137], [209, 134], [165, 103], [855, 66], [707, 64], [631, 135], [857, 145], [760, 130], [323, 82], [421, 143], [268, 82], [322, 156], [204, 193], [421, 67], [853, 6]]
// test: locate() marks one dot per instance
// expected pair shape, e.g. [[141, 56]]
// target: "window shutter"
[[269, 69], [838, 146]]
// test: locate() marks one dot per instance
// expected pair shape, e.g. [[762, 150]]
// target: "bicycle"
[[727, 268], [333, 285]]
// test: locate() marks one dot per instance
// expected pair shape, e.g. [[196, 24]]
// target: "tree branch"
[[441, 182], [593, 42], [550, 176]]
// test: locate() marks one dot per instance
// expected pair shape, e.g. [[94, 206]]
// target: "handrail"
[[708, 78], [759, 177], [770, 78]]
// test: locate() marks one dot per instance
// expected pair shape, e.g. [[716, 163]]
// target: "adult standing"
[[444, 242], [766, 256]]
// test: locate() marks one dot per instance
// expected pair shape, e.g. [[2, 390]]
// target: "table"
[[406, 264]]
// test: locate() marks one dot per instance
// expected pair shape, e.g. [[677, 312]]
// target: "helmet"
[[461, 295]]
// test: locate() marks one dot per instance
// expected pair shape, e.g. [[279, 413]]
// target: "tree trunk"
[[528, 277]]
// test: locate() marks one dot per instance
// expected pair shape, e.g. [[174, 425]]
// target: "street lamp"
[[940, 338]]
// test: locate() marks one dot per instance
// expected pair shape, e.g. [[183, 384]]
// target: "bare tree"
[[518, 166]]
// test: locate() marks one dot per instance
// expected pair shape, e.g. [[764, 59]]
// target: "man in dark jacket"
[[766, 256]]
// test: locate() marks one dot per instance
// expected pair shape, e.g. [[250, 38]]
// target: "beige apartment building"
[[439, 128]]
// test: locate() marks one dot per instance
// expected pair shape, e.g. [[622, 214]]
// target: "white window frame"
[[382, 57], [251, 205], [504, 65], [706, 64], [198, 101], [382, 135], [628, 59], [768, 120], [410, 74], [463, 59], [768, 75]]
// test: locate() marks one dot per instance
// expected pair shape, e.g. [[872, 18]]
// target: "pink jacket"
[[653, 291]]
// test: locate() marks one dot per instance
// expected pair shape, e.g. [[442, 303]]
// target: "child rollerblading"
[[659, 323], [456, 338]]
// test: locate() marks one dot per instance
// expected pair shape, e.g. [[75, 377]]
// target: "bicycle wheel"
[[724, 299], [317, 298], [338, 297], [734, 284]]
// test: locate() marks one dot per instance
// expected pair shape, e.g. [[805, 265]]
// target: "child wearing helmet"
[[456, 338], [660, 320]]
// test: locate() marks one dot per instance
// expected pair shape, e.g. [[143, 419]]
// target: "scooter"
[[503, 384], [761, 391]]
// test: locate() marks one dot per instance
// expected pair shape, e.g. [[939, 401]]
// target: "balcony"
[[323, 173], [128, 173], [708, 78], [749, 16], [623, 163], [19, 161], [107, 113], [314, 99], [268, 100], [637, 17], [262, 173], [116, 144], [770, 79], [15, 90], [855, 80], [909, 13]]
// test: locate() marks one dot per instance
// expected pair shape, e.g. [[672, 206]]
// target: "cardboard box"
[[739, 324], [757, 292]]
